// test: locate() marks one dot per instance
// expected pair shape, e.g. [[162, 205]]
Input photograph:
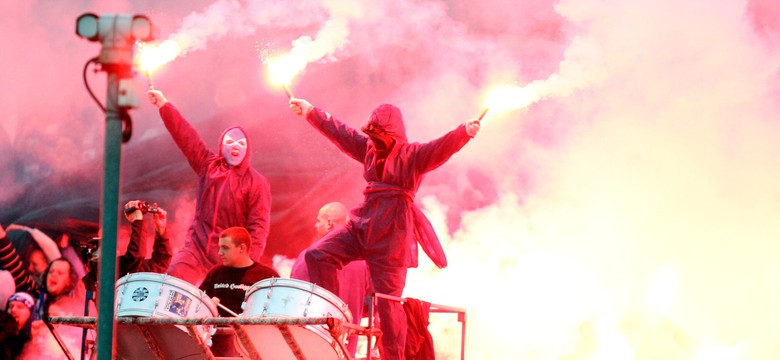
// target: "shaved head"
[[330, 216], [335, 211]]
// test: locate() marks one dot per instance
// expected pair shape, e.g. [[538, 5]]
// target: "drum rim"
[[303, 285], [321, 292]]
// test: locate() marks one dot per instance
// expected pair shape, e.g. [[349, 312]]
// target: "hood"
[[388, 118]]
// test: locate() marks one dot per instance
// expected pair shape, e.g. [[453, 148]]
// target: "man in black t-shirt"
[[227, 284]]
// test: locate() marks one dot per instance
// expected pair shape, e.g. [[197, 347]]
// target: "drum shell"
[[161, 296], [278, 297]]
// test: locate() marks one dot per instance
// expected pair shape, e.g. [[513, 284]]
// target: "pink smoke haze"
[[628, 211]]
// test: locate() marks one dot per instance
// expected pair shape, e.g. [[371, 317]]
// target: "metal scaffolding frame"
[[335, 326]]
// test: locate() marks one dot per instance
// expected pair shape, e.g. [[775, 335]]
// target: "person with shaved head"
[[385, 229], [353, 277]]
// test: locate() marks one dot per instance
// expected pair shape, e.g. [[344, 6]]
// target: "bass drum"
[[278, 297], [156, 295]]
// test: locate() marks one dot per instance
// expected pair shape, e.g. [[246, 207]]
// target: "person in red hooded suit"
[[230, 193], [386, 227]]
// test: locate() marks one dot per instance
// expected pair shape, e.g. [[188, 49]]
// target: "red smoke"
[[628, 213]]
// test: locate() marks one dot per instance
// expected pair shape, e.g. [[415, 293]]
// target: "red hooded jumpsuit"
[[386, 228], [226, 196]]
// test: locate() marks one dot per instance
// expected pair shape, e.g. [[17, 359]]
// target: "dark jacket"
[[134, 259]]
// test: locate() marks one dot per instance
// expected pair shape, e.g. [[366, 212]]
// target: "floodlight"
[[87, 26], [141, 28]]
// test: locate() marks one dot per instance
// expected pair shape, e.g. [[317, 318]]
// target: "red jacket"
[[226, 197], [388, 224]]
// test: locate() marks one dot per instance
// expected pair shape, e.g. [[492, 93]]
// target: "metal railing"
[[372, 299]]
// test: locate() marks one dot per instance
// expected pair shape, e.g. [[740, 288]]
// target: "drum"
[[278, 297], [161, 296]]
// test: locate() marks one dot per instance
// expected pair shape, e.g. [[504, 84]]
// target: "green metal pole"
[[106, 326]]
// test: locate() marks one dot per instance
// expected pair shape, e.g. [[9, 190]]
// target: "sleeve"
[[258, 220], [208, 283], [47, 245], [75, 259], [131, 260], [10, 260], [434, 153], [347, 139], [186, 138], [161, 254]]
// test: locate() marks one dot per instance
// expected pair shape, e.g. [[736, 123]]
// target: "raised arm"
[[184, 135], [347, 139], [46, 243], [161, 250], [10, 260], [433, 154], [130, 261]]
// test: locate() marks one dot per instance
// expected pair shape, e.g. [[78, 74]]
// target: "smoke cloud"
[[628, 211]]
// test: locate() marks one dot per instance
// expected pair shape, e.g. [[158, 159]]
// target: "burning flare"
[[282, 69], [151, 56], [507, 98]]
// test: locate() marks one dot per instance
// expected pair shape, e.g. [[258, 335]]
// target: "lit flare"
[[152, 56], [283, 69], [484, 112], [507, 98]]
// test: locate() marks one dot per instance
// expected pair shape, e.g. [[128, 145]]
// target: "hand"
[[37, 328], [160, 220], [64, 241], [215, 300], [300, 106], [135, 215], [157, 98], [472, 127]]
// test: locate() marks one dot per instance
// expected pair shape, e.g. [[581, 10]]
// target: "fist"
[[472, 127], [300, 106], [157, 98], [134, 215], [160, 220]]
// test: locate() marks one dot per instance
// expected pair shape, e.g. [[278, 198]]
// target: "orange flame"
[[506, 98], [282, 69], [152, 56]]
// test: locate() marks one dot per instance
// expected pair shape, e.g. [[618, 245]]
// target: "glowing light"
[[662, 291], [506, 98], [283, 69], [612, 344], [152, 56], [711, 351]]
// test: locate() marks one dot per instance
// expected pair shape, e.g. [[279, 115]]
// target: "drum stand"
[[57, 337], [147, 325]]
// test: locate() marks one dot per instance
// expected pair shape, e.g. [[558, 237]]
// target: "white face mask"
[[234, 146]]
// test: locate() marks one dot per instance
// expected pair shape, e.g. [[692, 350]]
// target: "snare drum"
[[161, 296], [277, 297]]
